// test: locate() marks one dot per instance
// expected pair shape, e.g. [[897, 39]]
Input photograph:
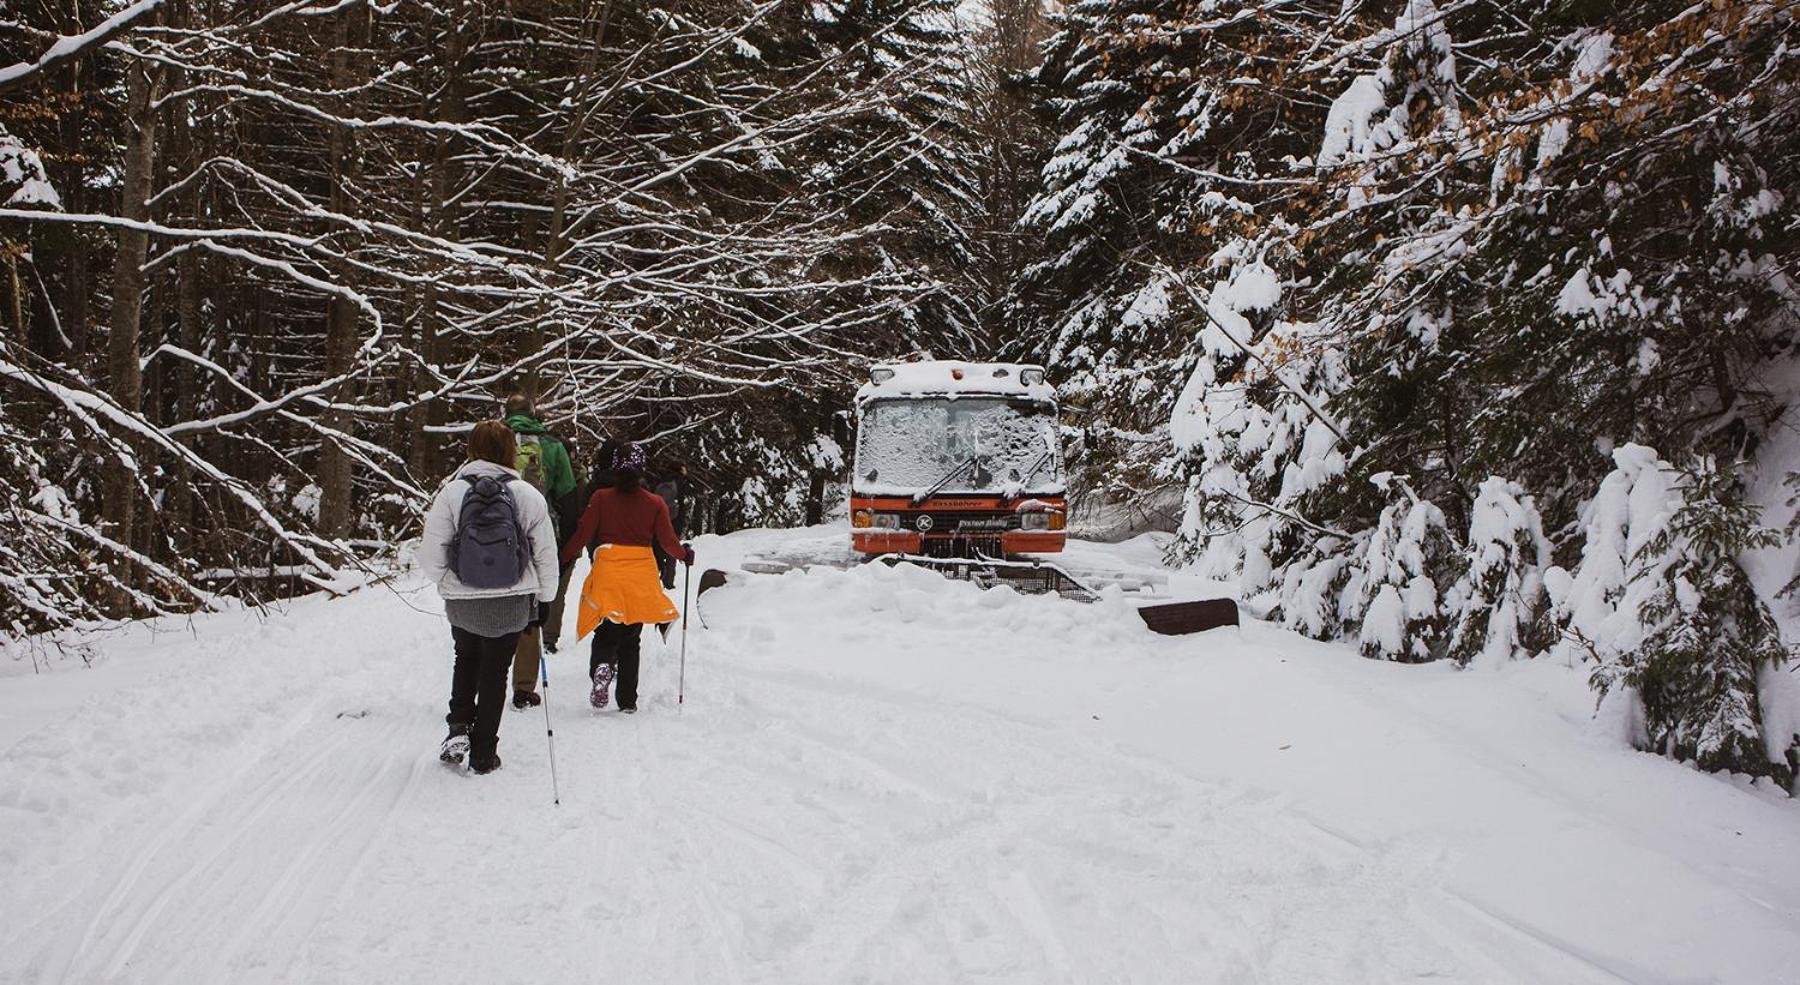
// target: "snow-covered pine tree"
[[1006, 148], [1448, 229], [1175, 186], [1514, 307], [1498, 610], [1705, 634], [1598, 606], [898, 166], [1157, 171], [1254, 447], [1393, 597]]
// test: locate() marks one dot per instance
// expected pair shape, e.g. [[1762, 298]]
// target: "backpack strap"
[[474, 481]]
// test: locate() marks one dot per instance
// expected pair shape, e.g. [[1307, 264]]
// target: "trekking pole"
[[549, 733], [687, 579]]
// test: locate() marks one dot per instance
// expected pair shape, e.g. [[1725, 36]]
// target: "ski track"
[[239, 878], [799, 821]]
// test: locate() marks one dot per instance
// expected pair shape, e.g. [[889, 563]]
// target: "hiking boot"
[[455, 746], [484, 764], [549, 645], [603, 678], [526, 699], [628, 711]]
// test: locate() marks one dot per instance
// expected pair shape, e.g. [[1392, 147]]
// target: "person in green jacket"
[[543, 461]]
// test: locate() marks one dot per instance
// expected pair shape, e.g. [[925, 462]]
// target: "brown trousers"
[[529, 649]]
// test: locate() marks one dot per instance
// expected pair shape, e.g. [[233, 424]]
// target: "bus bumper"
[[911, 542]]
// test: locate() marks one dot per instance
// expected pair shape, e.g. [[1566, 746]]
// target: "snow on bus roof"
[[953, 378]]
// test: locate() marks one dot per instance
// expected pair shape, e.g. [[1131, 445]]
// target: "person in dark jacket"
[[622, 591], [545, 462], [673, 490]]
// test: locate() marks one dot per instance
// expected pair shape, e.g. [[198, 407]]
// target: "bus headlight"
[[871, 520], [1042, 520]]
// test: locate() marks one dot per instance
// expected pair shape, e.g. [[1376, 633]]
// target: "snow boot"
[[603, 678], [526, 699], [484, 764], [455, 746]]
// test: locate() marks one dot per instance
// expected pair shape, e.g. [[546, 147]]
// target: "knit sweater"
[[630, 519]]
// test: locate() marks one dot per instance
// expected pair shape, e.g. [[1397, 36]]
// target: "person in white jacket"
[[485, 623]]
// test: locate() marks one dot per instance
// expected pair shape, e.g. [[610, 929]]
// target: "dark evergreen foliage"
[[364, 225]]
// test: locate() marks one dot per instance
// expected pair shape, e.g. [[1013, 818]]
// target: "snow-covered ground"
[[878, 776]]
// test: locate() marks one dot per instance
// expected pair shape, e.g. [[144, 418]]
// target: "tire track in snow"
[[911, 885], [1267, 877], [882, 891], [1279, 875]]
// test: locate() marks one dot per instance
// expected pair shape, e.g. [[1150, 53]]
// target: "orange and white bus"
[[957, 460]]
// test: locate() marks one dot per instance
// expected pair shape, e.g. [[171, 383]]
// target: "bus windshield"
[[969, 444]]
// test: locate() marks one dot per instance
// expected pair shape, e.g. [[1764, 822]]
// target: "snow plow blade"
[[1030, 577], [1181, 618]]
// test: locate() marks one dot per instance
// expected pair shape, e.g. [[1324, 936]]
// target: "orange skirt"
[[625, 587]]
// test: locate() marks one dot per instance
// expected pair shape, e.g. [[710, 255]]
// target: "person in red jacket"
[[622, 591]]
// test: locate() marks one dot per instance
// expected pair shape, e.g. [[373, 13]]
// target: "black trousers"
[[665, 565], [619, 643], [478, 686]]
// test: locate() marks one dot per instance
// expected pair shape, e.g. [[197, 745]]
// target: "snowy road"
[[878, 777]]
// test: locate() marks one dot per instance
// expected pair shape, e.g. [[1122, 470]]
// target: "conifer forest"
[[1461, 331]]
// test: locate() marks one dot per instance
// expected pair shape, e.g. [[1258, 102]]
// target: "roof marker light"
[[1031, 376], [880, 374], [956, 374]]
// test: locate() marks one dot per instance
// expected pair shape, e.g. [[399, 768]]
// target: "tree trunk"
[[124, 361], [815, 499], [15, 297], [336, 479], [185, 146], [76, 313], [440, 220]]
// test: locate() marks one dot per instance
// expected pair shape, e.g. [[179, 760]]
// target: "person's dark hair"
[[520, 403], [628, 467], [493, 441]]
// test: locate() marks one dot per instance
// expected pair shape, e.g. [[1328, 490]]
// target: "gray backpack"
[[490, 549]]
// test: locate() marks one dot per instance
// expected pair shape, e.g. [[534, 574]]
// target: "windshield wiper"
[[1042, 460], [946, 480]]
